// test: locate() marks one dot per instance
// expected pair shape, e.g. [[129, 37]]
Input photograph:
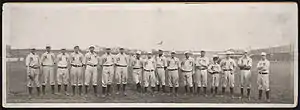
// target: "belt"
[[245, 69], [148, 70], [136, 68], [34, 67], [160, 67], [227, 69], [203, 69], [263, 73], [121, 65], [172, 69], [62, 67], [185, 71], [76, 65], [47, 65], [92, 65], [107, 65]]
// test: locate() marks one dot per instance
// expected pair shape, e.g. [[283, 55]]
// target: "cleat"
[[125, 94], [117, 93], [67, 94], [268, 100], [102, 96]]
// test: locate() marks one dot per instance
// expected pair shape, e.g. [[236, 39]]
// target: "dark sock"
[[198, 90], [248, 92], [52, 89], [204, 90], [86, 89], [43, 89], [66, 88], [38, 90], [118, 87], [211, 90], [164, 88], [124, 87], [137, 87], [242, 92], [216, 90], [95, 89], [231, 90], [103, 90], [80, 89], [158, 87], [171, 89], [268, 94], [73, 89], [186, 89], [30, 90], [153, 89], [176, 90], [108, 89], [191, 90], [145, 89], [259, 94], [58, 88], [223, 90]]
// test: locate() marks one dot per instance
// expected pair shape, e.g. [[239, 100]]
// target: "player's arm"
[[42, 59]]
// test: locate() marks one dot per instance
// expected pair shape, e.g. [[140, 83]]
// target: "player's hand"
[[30, 77]]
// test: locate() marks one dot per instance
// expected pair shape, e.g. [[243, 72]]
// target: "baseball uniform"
[[161, 63], [201, 71], [228, 66], [76, 69], [47, 62], [33, 73], [149, 75], [91, 61], [187, 68], [173, 64], [215, 69], [244, 62], [62, 68], [263, 74], [122, 62], [137, 66], [107, 61]]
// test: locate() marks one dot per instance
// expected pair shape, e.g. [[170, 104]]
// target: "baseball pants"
[[121, 75], [201, 78], [187, 79], [228, 79], [245, 78], [173, 78], [48, 74], [107, 75], [263, 82], [91, 74], [161, 76], [76, 76], [62, 76], [149, 77], [137, 75], [215, 80], [35, 73]]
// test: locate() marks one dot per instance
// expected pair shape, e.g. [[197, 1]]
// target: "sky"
[[212, 26]]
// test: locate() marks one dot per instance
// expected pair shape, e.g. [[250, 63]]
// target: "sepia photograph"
[[200, 54]]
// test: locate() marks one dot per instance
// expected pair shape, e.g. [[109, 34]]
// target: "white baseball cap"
[[91, 46], [138, 52], [173, 51], [246, 51], [215, 56], [263, 54], [228, 52], [186, 52], [149, 52]]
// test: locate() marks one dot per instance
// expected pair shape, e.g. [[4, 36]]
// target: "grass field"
[[281, 85]]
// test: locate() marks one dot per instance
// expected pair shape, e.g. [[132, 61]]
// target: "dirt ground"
[[281, 85]]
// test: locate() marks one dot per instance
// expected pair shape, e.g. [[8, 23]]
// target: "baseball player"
[[137, 67], [201, 72], [62, 70], [228, 65], [33, 73], [122, 62], [214, 69], [76, 73], [161, 64], [188, 69], [91, 61], [107, 63], [48, 62], [245, 64], [149, 72], [263, 67], [173, 64]]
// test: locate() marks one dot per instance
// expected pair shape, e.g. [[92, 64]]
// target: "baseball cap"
[[215, 56], [48, 46], [107, 49], [263, 54], [121, 48], [173, 52], [149, 52], [228, 53], [138, 52], [91, 46], [186, 52]]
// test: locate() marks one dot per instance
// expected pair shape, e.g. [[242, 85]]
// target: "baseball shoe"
[[102, 95], [205, 95], [125, 94], [67, 94], [240, 97], [268, 100], [117, 93]]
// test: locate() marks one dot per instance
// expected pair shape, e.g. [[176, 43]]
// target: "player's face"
[[172, 54], [160, 52], [187, 55], [63, 51], [121, 51], [138, 55], [264, 57], [227, 56], [92, 49], [76, 49], [48, 49], [202, 54], [149, 55], [32, 50], [107, 51]]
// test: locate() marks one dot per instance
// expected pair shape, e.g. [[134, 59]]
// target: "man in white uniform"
[[33, 73], [122, 62], [91, 61], [62, 70], [149, 72], [173, 65], [48, 62], [107, 63], [76, 70], [137, 68], [214, 69], [263, 67], [201, 72], [228, 66], [188, 69], [161, 64], [245, 64]]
